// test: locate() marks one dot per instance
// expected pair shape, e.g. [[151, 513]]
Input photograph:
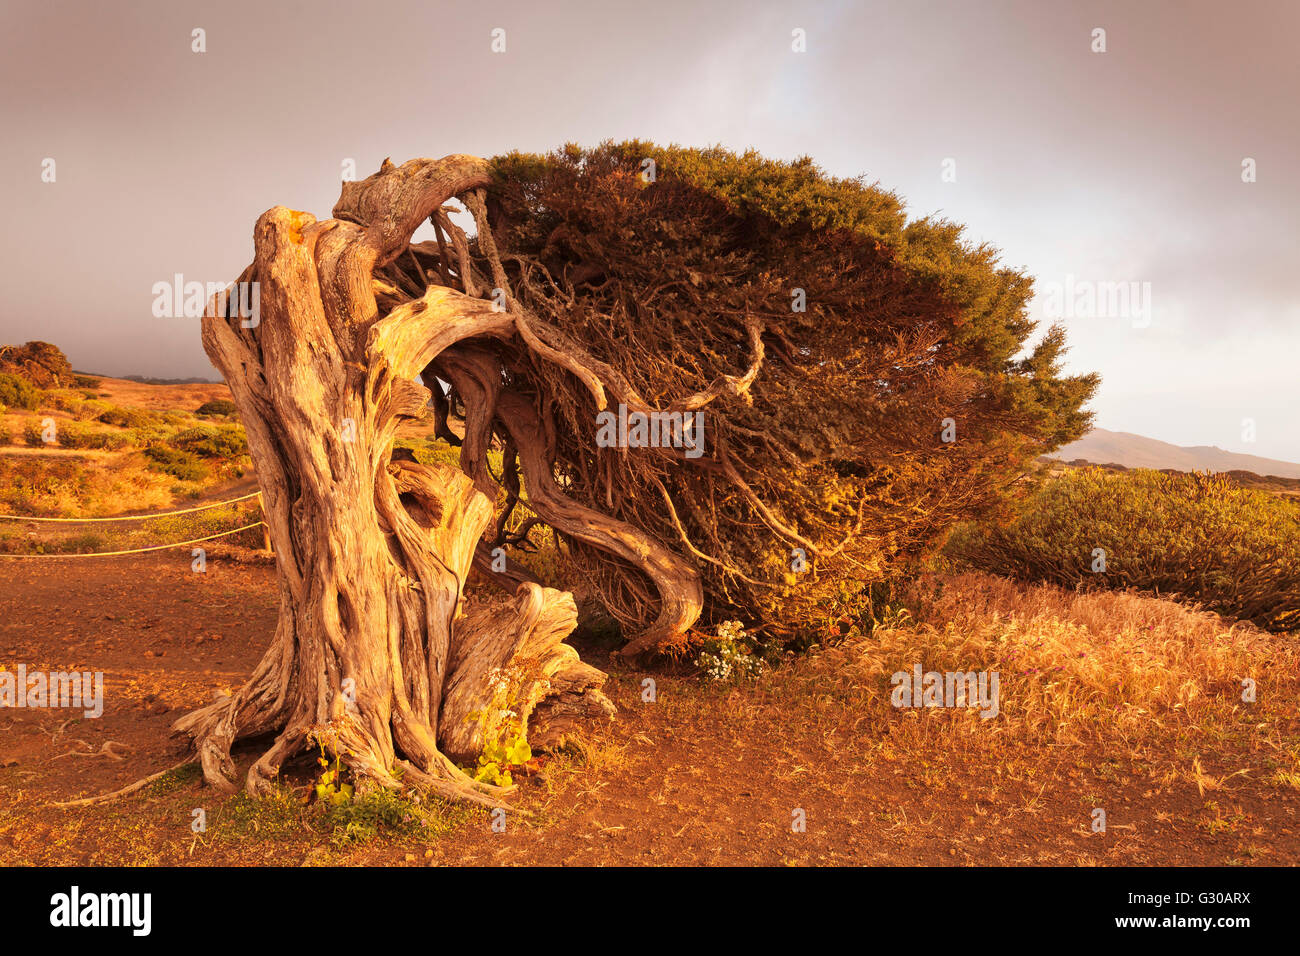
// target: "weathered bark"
[[379, 655]]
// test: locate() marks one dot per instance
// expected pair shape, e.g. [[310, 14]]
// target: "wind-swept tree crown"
[[863, 378]]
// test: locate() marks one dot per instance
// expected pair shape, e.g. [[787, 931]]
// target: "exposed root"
[[456, 791], [125, 791], [105, 750]]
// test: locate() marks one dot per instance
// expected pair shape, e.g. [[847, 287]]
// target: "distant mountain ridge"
[[1102, 447]]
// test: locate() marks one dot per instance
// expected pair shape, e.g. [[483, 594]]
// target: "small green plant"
[[350, 817], [275, 815], [139, 418], [505, 740], [178, 778], [330, 788], [78, 435], [380, 812], [730, 656], [499, 756]]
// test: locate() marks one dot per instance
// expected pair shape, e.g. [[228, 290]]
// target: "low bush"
[[77, 435], [17, 392], [90, 408], [729, 657], [130, 417], [34, 434], [177, 463], [218, 407], [223, 441], [1199, 537], [63, 399]]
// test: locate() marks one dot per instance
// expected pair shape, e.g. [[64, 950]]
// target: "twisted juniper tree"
[[854, 383]]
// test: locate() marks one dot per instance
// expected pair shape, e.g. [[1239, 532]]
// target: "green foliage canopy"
[[908, 336]]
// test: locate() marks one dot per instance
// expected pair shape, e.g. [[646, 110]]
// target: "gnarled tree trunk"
[[380, 655]]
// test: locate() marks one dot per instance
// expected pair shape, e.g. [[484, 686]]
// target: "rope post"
[[266, 528]]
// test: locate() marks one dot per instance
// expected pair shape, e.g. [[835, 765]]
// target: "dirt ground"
[[699, 776]]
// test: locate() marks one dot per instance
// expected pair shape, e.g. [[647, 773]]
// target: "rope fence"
[[160, 514], [157, 547]]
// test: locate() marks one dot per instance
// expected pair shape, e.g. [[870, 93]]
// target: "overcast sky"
[[1123, 166]]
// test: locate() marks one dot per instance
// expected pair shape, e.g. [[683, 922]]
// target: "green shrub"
[[85, 381], [85, 542], [17, 392], [223, 441], [130, 417], [77, 435], [1199, 537], [33, 434], [178, 464], [216, 407], [377, 813], [147, 427]]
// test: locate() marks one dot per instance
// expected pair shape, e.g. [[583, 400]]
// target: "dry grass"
[[1147, 678], [160, 398], [708, 774]]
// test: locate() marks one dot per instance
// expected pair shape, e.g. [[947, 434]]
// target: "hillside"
[[1137, 451], [99, 446]]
